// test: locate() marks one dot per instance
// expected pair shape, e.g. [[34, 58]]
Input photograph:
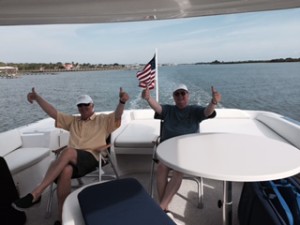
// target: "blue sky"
[[246, 36]]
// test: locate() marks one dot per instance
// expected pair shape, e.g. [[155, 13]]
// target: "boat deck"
[[183, 207]]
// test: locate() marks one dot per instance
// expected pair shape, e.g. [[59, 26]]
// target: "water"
[[271, 86]]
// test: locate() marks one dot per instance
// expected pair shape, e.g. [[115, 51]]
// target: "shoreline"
[[56, 71], [40, 68]]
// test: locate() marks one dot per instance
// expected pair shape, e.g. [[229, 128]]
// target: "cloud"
[[225, 37]]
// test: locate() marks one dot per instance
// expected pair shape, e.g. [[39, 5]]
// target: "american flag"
[[147, 75]]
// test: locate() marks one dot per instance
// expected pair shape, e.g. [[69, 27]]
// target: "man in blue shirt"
[[179, 119]]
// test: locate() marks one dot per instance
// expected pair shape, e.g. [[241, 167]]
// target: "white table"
[[230, 157]]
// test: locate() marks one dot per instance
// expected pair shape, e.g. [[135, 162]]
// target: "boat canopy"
[[31, 12]]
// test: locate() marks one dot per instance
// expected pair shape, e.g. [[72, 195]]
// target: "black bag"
[[8, 194], [271, 202]]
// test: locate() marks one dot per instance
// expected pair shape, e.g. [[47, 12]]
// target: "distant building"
[[68, 66], [8, 71]]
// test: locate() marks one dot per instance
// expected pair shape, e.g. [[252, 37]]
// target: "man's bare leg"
[[167, 189], [63, 187], [67, 156]]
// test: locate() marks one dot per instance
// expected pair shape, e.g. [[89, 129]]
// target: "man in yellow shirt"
[[88, 134]]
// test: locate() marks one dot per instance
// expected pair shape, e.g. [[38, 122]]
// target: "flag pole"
[[156, 80]]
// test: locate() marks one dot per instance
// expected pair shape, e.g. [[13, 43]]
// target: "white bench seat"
[[23, 158], [287, 130], [240, 126], [138, 134], [257, 123], [27, 156], [19, 157]]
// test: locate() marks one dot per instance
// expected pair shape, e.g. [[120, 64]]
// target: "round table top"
[[230, 157]]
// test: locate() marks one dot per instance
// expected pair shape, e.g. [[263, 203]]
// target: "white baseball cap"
[[84, 99], [181, 87]]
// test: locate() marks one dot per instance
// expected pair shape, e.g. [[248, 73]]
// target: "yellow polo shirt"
[[88, 134]]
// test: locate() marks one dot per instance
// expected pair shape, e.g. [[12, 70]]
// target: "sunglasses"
[[83, 104], [178, 93]]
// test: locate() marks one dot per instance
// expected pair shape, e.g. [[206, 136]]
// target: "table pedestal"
[[227, 203]]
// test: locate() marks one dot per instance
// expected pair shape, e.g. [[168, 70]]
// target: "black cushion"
[[8, 194]]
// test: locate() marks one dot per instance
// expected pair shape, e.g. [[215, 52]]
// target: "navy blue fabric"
[[122, 201]]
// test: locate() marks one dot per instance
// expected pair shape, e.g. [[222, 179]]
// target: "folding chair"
[[198, 180], [99, 174]]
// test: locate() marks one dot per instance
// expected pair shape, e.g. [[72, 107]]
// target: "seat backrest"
[[159, 117], [108, 142], [106, 158]]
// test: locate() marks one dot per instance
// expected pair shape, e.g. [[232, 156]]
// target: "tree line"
[[57, 66], [255, 61]]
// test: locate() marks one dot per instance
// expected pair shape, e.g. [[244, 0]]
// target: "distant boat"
[[8, 71]]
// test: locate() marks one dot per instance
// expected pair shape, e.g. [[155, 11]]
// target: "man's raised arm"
[[47, 107]]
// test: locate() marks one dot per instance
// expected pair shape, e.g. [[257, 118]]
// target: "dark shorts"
[[86, 163]]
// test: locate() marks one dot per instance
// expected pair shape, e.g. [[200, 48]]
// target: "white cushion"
[[35, 139], [138, 133], [23, 158], [288, 130], [239, 126], [64, 138], [142, 114], [9, 141], [231, 113]]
